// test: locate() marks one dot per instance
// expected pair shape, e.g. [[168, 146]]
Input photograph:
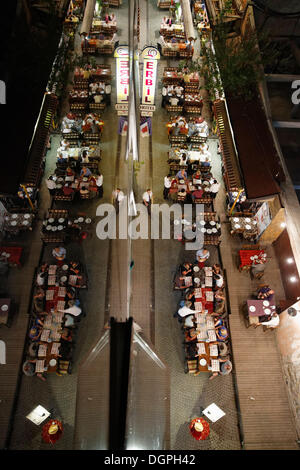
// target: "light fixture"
[[283, 224], [289, 260], [293, 279]]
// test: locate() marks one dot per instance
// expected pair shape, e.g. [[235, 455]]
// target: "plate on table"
[[252, 308], [14, 216], [196, 269], [267, 311], [181, 181], [203, 230], [88, 221], [59, 186], [212, 222], [26, 216], [202, 362], [237, 226], [202, 222], [60, 227], [25, 222], [266, 303], [197, 280], [54, 229], [80, 219], [60, 179], [247, 220], [214, 230], [51, 220], [7, 255], [236, 219], [63, 278], [61, 220], [52, 362], [76, 221], [209, 231], [65, 267], [248, 227], [4, 308], [84, 179], [48, 227], [13, 223]]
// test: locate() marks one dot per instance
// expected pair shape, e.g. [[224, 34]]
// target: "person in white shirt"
[[64, 145], [272, 323], [118, 197], [214, 188], [99, 183], [74, 310], [167, 186], [219, 281], [147, 199], [202, 255], [185, 311], [51, 185], [189, 321], [98, 99], [174, 101]]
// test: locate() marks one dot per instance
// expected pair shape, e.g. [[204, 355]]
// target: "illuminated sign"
[[122, 74], [150, 56]]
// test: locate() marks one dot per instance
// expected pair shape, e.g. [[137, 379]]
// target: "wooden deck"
[[266, 418]]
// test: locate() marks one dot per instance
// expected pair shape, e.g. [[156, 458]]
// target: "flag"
[[145, 129]]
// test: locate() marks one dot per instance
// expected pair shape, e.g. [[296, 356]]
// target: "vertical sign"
[[122, 75], [150, 56]]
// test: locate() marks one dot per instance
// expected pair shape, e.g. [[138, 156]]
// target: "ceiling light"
[[290, 260], [293, 279]]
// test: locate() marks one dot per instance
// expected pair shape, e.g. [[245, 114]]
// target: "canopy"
[[88, 17], [188, 20]]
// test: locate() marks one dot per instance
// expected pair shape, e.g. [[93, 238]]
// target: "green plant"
[[236, 64]]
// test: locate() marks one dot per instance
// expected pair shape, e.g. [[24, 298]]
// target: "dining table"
[[13, 254], [258, 308]]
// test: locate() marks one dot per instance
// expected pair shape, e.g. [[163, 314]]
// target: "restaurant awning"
[[258, 157], [88, 17], [188, 20]]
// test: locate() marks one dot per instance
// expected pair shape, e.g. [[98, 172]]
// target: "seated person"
[[206, 162], [35, 332], [218, 281], [66, 335], [68, 190], [84, 191], [186, 269], [29, 369], [185, 310], [190, 335], [85, 172], [181, 195], [189, 321], [216, 269], [219, 302], [198, 193], [42, 274], [59, 253], [270, 321], [181, 175], [75, 267], [265, 293], [221, 333], [39, 300], [225, 368], [197, 175]]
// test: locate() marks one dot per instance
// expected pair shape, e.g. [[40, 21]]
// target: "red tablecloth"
[[51, 304], [209, 306], [15, 254], [260, 308], [245, 256]]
